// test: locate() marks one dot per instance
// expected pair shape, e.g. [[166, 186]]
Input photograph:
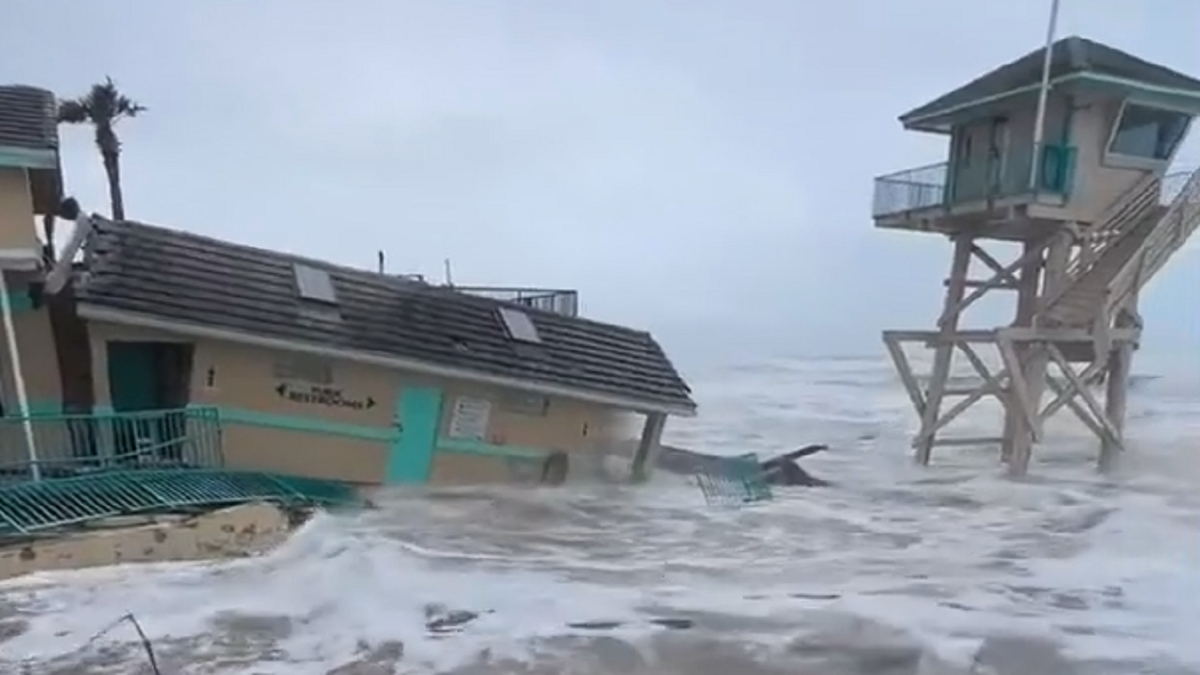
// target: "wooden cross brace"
[[1003, 276], [993, 384]]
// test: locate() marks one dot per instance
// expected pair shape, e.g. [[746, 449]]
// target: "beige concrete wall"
[[35, 342], [233, 532], [1097, 184], [17, 224], [244, 379]]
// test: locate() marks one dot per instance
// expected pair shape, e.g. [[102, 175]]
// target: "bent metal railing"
[[71, 444], [35, 507]]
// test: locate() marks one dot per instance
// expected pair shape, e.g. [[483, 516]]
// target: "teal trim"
[[20, 302], [26, 158], [1134, 85], [916, 121], [36, 409], [466, 447], [307, 425], [232, 415], [411, 458]]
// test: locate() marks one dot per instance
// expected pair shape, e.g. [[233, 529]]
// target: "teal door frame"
[[410, 459]]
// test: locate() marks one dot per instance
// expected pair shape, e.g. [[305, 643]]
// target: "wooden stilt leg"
[[955, 289], [1117, 388]]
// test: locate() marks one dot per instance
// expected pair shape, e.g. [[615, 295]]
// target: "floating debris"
[[734, 481]]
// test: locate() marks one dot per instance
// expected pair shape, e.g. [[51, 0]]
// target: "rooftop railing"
[[559, 301]]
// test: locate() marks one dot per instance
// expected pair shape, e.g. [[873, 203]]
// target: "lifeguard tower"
[[1076, 182]]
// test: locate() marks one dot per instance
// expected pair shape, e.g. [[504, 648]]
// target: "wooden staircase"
[[1120, 255]]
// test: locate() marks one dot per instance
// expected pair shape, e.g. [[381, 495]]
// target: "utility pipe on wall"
[[1039, 126], [14, 355]]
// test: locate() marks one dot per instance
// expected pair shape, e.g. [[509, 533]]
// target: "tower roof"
[[1071, 56]]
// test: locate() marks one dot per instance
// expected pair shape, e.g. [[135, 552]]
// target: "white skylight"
[[519, 326], [314, 284]]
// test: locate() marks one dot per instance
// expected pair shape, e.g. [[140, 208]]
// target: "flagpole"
[[1039, 126]]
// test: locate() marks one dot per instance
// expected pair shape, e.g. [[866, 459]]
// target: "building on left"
[[145, 345]]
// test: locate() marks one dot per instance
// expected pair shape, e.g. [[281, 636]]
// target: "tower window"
[[1148, 133]]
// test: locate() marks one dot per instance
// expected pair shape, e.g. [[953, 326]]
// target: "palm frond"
[[103, 105], [74, 111]]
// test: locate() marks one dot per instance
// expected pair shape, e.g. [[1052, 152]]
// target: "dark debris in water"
[[441, 621], [676, 623]]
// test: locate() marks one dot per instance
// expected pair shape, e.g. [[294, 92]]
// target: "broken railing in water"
[[731, 481], [70, 444]]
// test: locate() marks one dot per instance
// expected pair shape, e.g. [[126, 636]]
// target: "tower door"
[[999, 181]]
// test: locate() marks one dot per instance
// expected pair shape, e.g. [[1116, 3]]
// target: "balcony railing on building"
[[73, 444], [948, 184], [559, 301]]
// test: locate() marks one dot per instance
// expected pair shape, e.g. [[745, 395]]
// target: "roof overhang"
[[42, 168], [94, 312], [940, 121]]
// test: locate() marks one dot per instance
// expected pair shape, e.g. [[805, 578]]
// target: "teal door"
[[132, 378], [411, 458], [132, 387]]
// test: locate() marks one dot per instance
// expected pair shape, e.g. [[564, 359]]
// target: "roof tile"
[[28, 118]]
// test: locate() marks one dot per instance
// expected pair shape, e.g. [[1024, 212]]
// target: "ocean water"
[[894, 570]]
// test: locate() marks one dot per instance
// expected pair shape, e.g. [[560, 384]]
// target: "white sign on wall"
[[470, 417]]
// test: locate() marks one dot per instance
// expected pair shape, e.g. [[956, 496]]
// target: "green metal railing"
[[72, 444], [39, 506], [944, 184], [733, 481]]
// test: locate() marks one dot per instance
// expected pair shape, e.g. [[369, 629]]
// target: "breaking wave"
[[893, 570]]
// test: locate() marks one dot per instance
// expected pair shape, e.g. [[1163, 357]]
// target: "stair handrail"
[[1117, 219], [1171, 232]]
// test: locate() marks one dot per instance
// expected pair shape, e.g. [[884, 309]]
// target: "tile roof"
[[190, 279], [28, 118], [1068, 56]]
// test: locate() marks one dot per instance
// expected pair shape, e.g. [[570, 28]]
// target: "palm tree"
[[102, 107]]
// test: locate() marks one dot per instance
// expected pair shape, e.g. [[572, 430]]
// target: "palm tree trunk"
[[112, 167], [49, 253]]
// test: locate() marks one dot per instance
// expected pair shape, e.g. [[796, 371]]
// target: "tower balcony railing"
[[559, 301], [949, 183]]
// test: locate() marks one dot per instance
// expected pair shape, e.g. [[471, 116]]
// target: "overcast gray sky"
[[701, 168]]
